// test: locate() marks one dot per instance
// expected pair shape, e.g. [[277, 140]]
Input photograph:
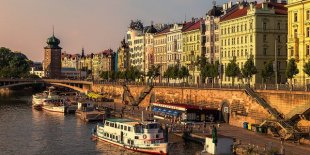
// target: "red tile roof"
[[194, 26], [163, 31], [280, 9]]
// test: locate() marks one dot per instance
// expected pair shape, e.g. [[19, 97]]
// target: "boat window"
[[110, 136], [107, 123], [113, 136], [125, 127], [116, 137], [128, 141], [157, 136], [122, 127], [138, 129], [152, 126], [107, 135], [129, 128], [136, 137], [112, 124]]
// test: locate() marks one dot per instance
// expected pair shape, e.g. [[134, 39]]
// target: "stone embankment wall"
[[243, 108]]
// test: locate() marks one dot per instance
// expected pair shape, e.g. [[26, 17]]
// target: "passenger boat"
[[54, 105], [146, 137]]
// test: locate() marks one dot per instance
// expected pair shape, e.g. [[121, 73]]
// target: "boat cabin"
[[184, 112]]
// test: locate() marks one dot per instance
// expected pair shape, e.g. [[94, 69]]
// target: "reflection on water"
[[24, 130]]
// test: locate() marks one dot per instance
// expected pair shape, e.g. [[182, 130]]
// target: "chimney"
[[265, 5]]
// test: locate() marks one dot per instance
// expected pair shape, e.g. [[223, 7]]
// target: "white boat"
[[146, 137], [54, 105]]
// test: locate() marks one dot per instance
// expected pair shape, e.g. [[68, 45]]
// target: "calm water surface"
[[24, 130]]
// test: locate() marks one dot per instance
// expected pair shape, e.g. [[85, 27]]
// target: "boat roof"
[[120, 120]]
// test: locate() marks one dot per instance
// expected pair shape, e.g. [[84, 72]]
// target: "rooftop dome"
[[215, 11], [53, 42]]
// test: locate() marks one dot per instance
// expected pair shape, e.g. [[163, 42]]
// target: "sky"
[[95, 25]]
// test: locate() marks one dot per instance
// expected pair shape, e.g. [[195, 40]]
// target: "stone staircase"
[[286, 126], [128, 94], [298, 113], [142, 96]]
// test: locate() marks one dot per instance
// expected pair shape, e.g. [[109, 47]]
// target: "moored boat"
[[54, 105], [146, 137]]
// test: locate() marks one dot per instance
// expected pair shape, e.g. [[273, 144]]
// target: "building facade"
[[298, 43], [123, 57], [160, 50], [149, 46], [192, 48], [174, 45], [212, 34], [135, 39], [52, 58], [257, 30]]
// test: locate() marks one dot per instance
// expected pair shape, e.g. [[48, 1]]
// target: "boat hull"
[[155, 151], [54, 109]]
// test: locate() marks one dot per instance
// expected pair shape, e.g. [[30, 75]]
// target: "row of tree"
[[13, 64]]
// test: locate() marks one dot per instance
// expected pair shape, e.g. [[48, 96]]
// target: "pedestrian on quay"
[[282, 149]]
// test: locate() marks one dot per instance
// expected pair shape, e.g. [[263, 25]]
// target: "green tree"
[[153, 72], [202, 62], [175, 72], [232, 70], [291, 69], [307, 68], [184, 73], [104, 75], [13, 64], [168, 73], [267, 71], [211, 71], [249, 69]]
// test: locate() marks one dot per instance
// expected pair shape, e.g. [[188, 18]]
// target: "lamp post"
[[193, 65], [275, 61]]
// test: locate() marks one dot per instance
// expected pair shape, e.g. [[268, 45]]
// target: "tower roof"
[[215, 11], [53, 42]]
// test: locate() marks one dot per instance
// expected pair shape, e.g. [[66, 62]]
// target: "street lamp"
[[193, 65]]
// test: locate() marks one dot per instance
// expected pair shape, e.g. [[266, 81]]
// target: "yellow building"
[[258, 30], [192, 48], [298, 42], [160, 50]]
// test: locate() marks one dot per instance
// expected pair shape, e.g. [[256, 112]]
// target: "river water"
[[26, 131]]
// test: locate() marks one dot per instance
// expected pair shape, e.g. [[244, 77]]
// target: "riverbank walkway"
[[243, 136]]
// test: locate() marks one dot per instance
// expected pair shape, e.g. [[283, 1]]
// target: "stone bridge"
[[81, 86]]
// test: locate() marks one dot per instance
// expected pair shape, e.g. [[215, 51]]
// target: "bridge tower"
[[52, 58]]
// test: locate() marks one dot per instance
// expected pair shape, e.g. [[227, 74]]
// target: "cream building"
[[254, 29], [192, 48], [160, 50], [149, 47], [212, 34], [174, 45], [298, 42], [135, 39]]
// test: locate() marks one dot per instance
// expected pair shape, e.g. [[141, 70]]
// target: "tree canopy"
[[307, 68], [232, 70], [13, 64], [291, 69], [267, 71], [249, 69]]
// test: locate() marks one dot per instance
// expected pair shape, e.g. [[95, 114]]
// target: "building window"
[[265, 51], [279, 38], [279, 52], [308, 31], [308, 15], [292, 52], [295, 16], [264, 25], [295, 33], [279, 26], [265, 38], [307, 50]]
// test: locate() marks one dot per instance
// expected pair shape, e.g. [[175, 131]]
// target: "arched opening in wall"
[[225, 112]]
